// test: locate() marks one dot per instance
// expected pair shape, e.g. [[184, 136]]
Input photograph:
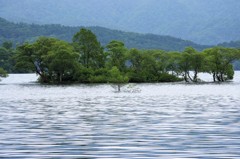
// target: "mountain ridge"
[[22, 32], [201, 21]]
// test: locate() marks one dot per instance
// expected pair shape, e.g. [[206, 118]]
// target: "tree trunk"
[[214, 77], [185, 77], [60, 78], [195, 76], [218, 78], [43, 77], [222, 78], [189, 77], [119, 87]]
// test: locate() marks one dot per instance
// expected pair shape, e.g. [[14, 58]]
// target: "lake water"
[[166, 120]]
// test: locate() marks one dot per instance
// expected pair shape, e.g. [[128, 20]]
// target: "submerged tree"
[[116, 77]]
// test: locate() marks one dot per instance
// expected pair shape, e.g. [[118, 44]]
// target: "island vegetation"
[[85, 60]]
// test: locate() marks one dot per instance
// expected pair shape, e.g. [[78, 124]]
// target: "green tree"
[[116, 77], [90, 50], [135, 59], [185, 63], [6, 55], [197, 63], [83, 74], [151, 69], [99, 76], [52, 59], [117, 54], [3, 73], [25, 58], [220, 62], [174, 59], [33, 56], [61, 62], [149, 66]]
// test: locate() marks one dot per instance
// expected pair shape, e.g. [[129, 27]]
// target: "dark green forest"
[[85, 60], [19, 33]]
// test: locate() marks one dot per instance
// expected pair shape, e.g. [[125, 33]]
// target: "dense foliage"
[[3, 73], [85, 61], [4, 58], [201, 21], [231, 44], [22, 32]]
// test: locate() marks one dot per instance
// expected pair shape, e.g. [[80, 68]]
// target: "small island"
[[84, 60]]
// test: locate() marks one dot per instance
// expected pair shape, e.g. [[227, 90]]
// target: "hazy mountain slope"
[[19, 33], [231, 44], [203, 21]]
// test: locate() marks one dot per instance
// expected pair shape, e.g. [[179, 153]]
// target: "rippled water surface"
[[166, 120]]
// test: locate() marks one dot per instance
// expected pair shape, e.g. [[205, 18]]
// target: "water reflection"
[[82, 121]]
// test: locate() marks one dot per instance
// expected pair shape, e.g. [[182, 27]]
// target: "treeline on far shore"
[[84, 60]]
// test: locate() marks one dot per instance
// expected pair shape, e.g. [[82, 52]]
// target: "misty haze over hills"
[[202, 21]]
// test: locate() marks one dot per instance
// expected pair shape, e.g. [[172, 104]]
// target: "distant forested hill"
[[21, 32], [231, 44], [201, 21]]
